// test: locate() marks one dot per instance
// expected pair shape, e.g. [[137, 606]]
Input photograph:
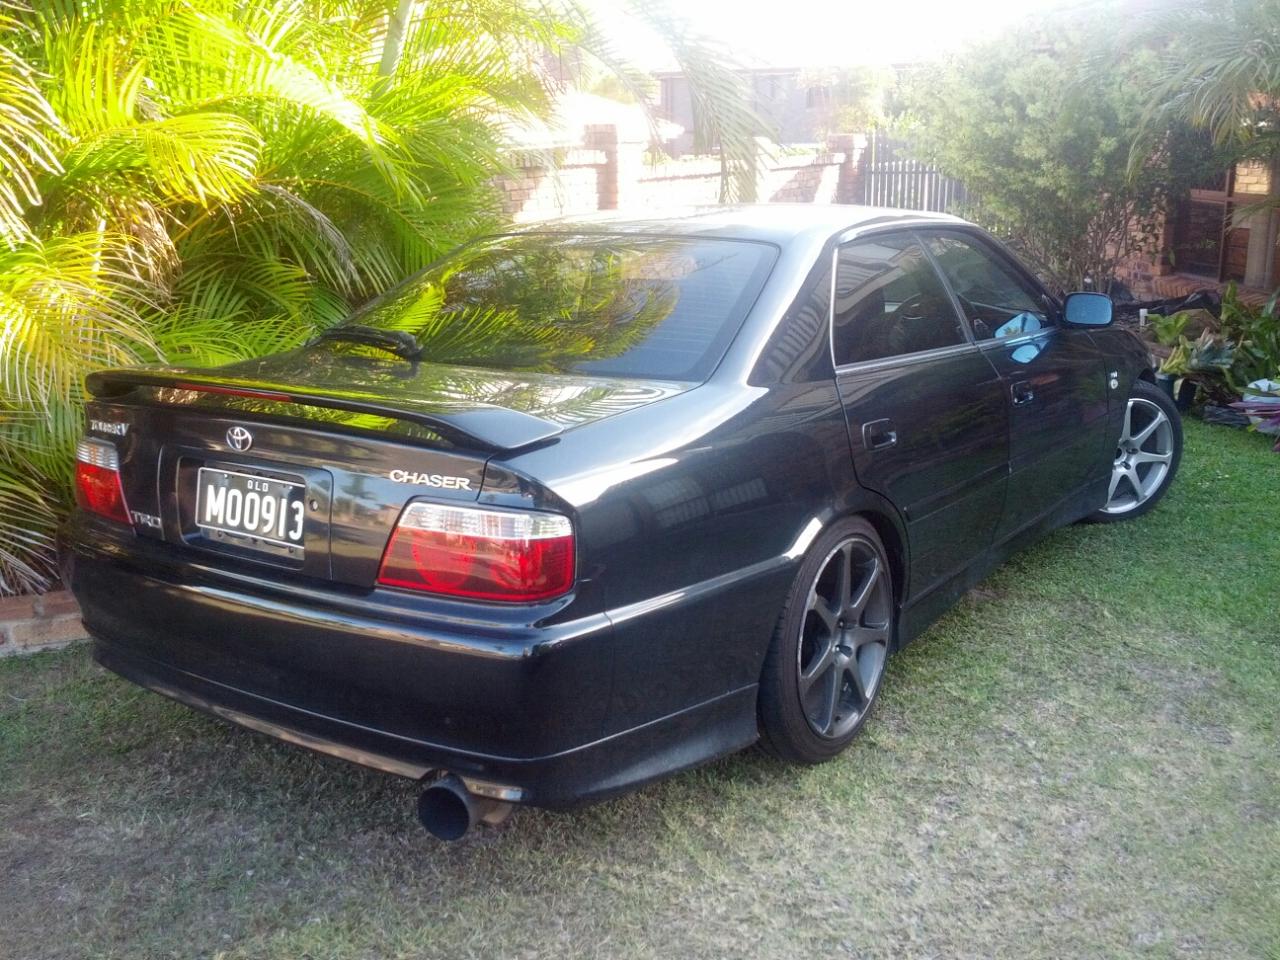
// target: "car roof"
[[780, 223]]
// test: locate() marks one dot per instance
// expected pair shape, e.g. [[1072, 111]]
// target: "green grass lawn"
[[1081, 760]]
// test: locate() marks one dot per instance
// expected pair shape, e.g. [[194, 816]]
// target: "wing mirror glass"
[[1088, 310]]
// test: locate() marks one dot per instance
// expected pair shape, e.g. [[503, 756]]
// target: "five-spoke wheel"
[[844, 638], [1147, 454], [827, 659]]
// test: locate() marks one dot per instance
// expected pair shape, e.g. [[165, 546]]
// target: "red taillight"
[[98, 488], [511, 555]]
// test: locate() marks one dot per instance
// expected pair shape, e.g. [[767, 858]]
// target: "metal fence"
[[890, 179]]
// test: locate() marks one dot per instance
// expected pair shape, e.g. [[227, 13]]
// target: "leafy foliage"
[[849, 98], [1040, 131], [1244, 350], [204, 182], [1217, 69], [1255, 333], [1168, 329]]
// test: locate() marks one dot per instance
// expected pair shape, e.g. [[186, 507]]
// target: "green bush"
[[1038, 125], [1245, 349]]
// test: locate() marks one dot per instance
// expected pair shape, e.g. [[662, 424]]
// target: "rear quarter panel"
[[691, 516]]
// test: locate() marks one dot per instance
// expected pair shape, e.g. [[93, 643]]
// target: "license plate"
[[245, 505]]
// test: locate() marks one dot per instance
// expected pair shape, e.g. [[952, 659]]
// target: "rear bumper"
[[515, 703], [590, 772]]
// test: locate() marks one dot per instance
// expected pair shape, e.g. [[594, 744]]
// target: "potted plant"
[[1172, 375]]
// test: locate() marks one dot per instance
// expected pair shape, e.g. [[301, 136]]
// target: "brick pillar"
[[619, 177], [1264, 228], [854, 148], [604, 137]]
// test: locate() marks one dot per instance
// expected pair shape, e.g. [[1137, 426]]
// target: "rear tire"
[[1147, 456], [825, 664]]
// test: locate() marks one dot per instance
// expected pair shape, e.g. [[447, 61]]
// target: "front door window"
[[996, 301]]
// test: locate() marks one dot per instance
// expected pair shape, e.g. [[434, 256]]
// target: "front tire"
[[1148, 452], [826, 661]]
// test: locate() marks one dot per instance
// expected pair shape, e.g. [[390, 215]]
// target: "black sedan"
[[587, 504]]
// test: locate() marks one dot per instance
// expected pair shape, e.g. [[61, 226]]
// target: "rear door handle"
[[1022, 392], [878, 435]]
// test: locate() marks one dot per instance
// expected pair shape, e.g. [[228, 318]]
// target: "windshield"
[[625, 306]]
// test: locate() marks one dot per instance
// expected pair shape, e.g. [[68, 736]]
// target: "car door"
[[1055, 380], [926, 414]]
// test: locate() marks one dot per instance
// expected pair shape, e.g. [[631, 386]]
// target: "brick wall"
[[1253, 177], [611, 174], [1194, 242], [28, 624], [538, 190]]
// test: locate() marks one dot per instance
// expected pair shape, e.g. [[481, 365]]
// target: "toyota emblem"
[[240, 439]]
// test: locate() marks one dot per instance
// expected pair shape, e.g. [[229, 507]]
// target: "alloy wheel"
[[1143, 456], [844, 639]]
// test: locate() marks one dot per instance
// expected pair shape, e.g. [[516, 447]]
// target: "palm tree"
[[201, 182], [1219, 69]]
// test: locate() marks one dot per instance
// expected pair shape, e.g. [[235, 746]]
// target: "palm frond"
[[1218, 68], [28, 520], [65, 306], [27, 127], [723, 116]]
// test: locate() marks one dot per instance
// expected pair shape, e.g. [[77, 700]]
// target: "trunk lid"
[[338, 442]]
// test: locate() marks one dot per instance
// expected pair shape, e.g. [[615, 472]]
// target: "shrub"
[[1039, 130]]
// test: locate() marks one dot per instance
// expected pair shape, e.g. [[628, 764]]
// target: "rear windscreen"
[[627, 306]]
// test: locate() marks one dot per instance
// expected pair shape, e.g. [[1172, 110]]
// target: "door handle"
[[879, 435], [1022, 392]]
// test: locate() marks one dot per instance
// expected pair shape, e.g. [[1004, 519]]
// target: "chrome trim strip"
[[907, 359], [995, 343]]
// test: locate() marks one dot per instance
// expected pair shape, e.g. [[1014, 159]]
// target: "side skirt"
[[922, 611]]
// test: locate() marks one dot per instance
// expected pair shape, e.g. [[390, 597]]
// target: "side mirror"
[[1088, 310]]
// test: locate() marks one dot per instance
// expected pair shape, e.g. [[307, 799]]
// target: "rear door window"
[[889, 302], [612, 305]]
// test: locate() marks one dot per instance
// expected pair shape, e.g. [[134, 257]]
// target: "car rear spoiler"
[[479, 426]]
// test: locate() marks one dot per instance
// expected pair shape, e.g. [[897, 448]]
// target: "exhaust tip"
[[445, 809], [449, 810]]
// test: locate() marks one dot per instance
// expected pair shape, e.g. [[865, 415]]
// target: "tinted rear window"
[[629, 306]]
